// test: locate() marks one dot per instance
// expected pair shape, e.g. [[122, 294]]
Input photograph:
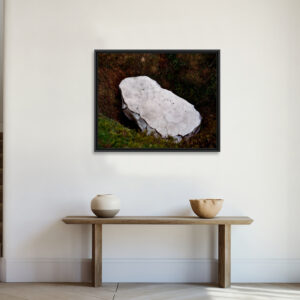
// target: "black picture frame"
[[171, 51]]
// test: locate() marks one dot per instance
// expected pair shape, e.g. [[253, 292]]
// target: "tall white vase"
[[105, 206]]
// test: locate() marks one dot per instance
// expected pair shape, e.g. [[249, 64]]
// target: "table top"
[[159, 220]]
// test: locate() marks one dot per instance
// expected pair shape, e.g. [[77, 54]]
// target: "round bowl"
[[206, 208]]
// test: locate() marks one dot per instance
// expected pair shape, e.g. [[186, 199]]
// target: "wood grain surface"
[[171, 220], [224, 270], [97, 255]]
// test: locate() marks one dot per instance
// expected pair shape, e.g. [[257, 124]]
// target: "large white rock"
[[158, 110]]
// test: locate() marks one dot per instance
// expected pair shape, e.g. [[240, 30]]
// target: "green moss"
[[111, 134]]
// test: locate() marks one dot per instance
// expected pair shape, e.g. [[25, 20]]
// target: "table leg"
[[224, 255], [97, 255]]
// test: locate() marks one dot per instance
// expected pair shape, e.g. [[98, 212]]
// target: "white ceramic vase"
[[105, 206]]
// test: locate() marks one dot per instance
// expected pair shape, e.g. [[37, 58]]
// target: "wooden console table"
[[224, 224]]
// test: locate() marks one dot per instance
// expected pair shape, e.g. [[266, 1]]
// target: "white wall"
[[51, 169]]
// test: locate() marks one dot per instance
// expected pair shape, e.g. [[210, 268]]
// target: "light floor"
[[139, 291]]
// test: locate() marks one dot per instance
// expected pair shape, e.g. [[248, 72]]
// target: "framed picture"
[[157, 100]]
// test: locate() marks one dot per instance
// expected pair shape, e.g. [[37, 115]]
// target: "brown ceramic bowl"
[[206, 208]]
